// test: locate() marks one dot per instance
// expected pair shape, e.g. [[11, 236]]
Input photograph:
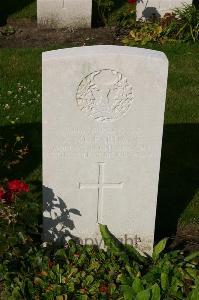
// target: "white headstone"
[[64, 13], [103, 113], [147, 8]]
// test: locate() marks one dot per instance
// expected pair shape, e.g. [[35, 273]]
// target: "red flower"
[[17, 186], [2, 194], [103, 289], [132, 1]]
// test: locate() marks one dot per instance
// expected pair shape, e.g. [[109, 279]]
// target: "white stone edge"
[[103, 50]]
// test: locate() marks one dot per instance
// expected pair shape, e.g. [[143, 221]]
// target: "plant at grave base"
[[162, 276], [85, 272], [124, 18], [182, 24], [143, 33], [104, 8], [120, 13]]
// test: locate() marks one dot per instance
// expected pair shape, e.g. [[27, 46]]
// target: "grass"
[[19, 9], [27, 12], [178, 199]]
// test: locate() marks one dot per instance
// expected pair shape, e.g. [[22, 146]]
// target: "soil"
[[26, 33]]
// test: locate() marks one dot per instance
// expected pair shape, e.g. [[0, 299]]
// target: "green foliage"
[[182, 24], [31, 271], [188, 23], [158, 249], [143, 33], [104, 8], [114, 13], [164, 276]]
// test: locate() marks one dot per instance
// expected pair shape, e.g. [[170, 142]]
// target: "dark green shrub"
[[114, 13]]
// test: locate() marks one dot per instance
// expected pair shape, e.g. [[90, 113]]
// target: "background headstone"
[[147, 8], [103, 113], [64, 13]]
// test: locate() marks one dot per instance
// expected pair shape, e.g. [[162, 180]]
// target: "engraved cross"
[[100, 186]]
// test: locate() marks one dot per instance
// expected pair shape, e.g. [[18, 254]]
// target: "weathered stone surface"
[[103, 113], [147, 8], [64, 13]]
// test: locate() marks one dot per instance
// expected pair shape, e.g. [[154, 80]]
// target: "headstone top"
[[101, 49]]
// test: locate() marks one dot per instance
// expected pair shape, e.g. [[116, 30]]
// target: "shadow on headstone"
[[8, 7], [57, 222], [150, 13], [179, 175]]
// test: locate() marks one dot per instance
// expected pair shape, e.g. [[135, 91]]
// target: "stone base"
[[147, 8], [64, 13]]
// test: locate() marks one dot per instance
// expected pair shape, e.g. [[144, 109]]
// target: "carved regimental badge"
[[105, 95]]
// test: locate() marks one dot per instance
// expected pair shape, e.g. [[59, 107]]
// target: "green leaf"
[[82, 297], [164, 281], [94, 287], [16, 294], [155, 292], [89, 279], [109, 240], [143, 295], [62, 297], [137, 285], [61, 253], [194, 295], [124, 280], [71, 287], [128, 292], [111, 288], [158, 249], [134, 254], [39, 282], [192, 256], [193, 273], [117, 247]]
